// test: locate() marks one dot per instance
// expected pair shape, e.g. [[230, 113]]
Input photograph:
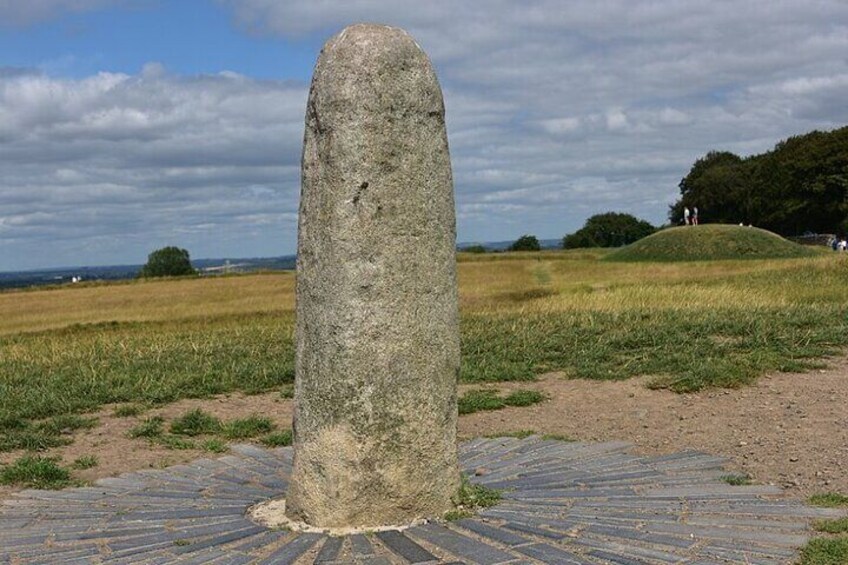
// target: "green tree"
[[611, 229], [801, 185], [167, 262], [717, 185], [526, 243]]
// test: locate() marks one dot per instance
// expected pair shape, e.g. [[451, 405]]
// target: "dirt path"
[[788, 429]]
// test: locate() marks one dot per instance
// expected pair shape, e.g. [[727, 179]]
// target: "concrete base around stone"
[[562, 503], [272, 514]]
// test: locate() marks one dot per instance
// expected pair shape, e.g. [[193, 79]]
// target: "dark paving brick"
[[330, 550], [405, 547], [460, 545], [222, 539], [533, 530], [567, 503], [360, 546], [492, 532], [608, 557], [292, 550], [551, 554]]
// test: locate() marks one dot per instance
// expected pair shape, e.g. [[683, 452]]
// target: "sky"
[[129, 125]]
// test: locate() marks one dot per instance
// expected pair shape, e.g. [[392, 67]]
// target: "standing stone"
[[377, 318]]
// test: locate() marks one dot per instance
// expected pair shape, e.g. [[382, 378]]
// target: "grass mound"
[[710, 242]]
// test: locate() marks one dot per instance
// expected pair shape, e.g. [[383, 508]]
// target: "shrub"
[[167, 262], [526, 243], [611, 229]]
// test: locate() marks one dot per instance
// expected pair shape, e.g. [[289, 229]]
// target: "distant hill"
[[710, 242], [43, 277], [65, 275]]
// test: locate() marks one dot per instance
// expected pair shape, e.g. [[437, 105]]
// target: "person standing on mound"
[[695, 216], [686, 215]]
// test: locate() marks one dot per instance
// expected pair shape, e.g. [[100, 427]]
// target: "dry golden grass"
[[146, 301], [545, 282], [567, 281]]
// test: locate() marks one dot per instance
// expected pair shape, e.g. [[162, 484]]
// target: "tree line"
[[799, 186]]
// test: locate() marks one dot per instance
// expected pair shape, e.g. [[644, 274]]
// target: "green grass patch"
[[829, 500], [67, 423], [278, 439], [249, 427], [81, 367], [170, 441], [736, 479], [35, 471], [84, 462], [837, 526], [150, 428], [214, 445], [38, 436], [489, 399], [559, 437], [195, 423], [719, 347], [524, 398], [128, 410], [825, 551], [709, 243], [480, 400], [470, 498], [520, 434]]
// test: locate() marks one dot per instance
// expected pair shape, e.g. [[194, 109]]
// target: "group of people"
[[690, 218]]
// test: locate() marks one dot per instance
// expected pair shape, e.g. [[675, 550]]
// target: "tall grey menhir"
[[377, 317]]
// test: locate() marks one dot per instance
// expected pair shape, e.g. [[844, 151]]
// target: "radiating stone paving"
[[562, 503]]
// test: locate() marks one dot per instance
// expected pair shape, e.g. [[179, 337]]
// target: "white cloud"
[[107, 167], [556, 110], [616, 120], [560, 126], [629, 92]]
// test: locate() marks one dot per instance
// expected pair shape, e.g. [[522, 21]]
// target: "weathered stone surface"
[[377, 317]]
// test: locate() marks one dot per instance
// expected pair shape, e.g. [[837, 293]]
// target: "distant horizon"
[[223, 258]]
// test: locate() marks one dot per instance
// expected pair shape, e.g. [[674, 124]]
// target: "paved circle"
[[562, 503]]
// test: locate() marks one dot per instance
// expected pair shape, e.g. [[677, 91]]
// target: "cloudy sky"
[[127, 125]]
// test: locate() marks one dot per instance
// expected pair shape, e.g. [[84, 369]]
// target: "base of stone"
[[562, 503], [272, 514]]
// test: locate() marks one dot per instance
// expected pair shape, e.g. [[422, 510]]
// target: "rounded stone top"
[[370, 38], [366, 67]]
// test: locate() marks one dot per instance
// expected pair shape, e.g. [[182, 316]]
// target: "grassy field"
[[687, 325]]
